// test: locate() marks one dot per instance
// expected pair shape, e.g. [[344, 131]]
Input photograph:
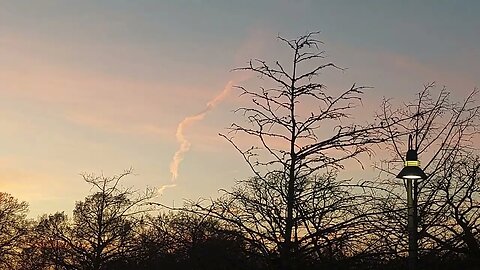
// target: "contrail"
[[253, 45], [184, 144]]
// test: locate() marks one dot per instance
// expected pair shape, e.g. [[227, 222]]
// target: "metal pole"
[[412, 230]]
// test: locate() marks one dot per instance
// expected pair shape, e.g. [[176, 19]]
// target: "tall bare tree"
[[304, 133]]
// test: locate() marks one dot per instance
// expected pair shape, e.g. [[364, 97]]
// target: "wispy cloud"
[[250, 47], [184, 143]]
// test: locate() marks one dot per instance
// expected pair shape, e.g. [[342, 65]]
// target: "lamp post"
[[411, 173]]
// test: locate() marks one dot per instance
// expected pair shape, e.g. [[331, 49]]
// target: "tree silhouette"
[[101, 229], [443, 132], [292, 205], [14, 228], [459, 192], [183, 240]]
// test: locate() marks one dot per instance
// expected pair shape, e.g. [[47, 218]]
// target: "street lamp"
[[411, 173]]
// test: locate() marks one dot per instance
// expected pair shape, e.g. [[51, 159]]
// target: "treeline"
[[116, 228], [113, 228], [296, 211]]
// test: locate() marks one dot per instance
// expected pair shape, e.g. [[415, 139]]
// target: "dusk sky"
[[102, 86]]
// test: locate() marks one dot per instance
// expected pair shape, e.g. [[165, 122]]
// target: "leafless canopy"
[[299, 123], [303, 133], [102, 226], [444, 133]]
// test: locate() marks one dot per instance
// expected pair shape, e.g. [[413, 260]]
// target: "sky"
[[103, 86]]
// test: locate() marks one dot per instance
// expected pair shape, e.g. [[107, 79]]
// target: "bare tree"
[[14, 228], [458, 185], [443, 133], [102, 226], [303, 133], [55, 245]]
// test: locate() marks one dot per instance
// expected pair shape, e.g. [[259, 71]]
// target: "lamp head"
[[412, 169]]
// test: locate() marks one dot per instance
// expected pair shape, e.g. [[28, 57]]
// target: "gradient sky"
[[101, 86]]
